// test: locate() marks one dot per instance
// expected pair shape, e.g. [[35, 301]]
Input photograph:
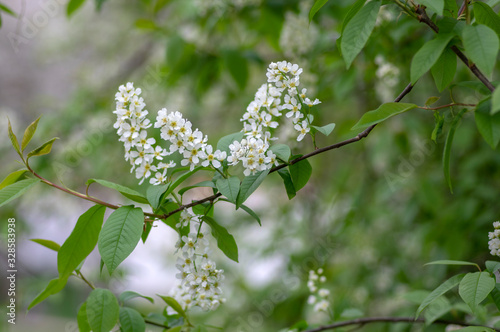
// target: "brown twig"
[[369, 320]]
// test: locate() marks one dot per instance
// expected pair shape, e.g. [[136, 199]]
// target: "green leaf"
[[325, 130], [437, 309], [102, 310], [81, 318], [81, 241], [282, 151], [495, 103], [475, 287], [128, 295], [442, 289], [485, 15], [131, 320], [492, 266], [15, 190], [229, 187], [146, 230], [175, 329], [198, 185], [436, 6], [315, 8], [7, 10], [174, 305], [447, 147], [443, 71], [54, 287], [450, 8], [48, 244], [120, 235], [287, 181], [237, 66], [384, 112], [154, 194], [451, 262], [14, 140], [180, 180], [28, 133], [249, 185], [431, 100], [300, 173], [73, 6], [250, 212], [145, 24], [476, 329], [358, 30], [224, 142], [481, 45], [438, 128], [125, 191], [12, 178], [43, 149], [427, 56], [351, 12], [225, 241], [488, 125], [495, 295]]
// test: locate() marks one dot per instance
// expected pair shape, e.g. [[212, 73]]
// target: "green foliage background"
[[373, 213]]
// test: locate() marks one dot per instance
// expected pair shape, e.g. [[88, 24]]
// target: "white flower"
[[323, 292], [494, 243], [322, 305], [303, 129]]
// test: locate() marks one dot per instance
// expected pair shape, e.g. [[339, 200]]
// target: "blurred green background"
[[372, 214]]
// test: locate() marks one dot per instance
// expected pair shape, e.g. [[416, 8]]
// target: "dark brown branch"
[[424, 18], [369, 320]]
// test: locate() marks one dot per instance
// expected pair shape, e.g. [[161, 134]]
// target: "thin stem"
[[369, 320], [150, 322], [446, 106], [81, 276]]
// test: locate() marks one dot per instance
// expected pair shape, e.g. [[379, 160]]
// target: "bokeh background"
[[372, 215]]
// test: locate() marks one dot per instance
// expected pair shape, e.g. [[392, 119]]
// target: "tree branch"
[[369, 320]]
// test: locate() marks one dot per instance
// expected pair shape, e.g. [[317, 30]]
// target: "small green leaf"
[[431, 100], [15, 190], [237, 66], [447, 147], [495, 103], [443, 71], [436, 6], [442, 289], [180, 180], [315, 8], [154, 194], [451, 262], [125, 191], [131, 320], [249, 185], [225, 241], [43, 149], [54, 287], [384, 112], [146, 230], [282, 151], [484, 14], [145, 24], [73, 6], [475, 287], [197, 185], [495, 295], [28, 133], [250, 212], [488, 125], [14, 140], [325, 130], [102, 310], [81, 318], [438, 127], [81, 241], [476, 329], [128, 295], [358, 31], [224, 142], [437, 309], [427, 56], [12, 178], [481, 45], [47, 243], [174, 305], [287, 181], [300, 173], [120, 235], [492, 266], [229, 187], [7, 10]]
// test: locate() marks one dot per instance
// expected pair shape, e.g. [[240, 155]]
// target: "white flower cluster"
[[318, 296], [191, 144], [298, 35], [388, 79], [200, 280], [262, 113], [494, 243], [131, 125]]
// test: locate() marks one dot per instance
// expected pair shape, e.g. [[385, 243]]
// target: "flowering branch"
[[369, 320]]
